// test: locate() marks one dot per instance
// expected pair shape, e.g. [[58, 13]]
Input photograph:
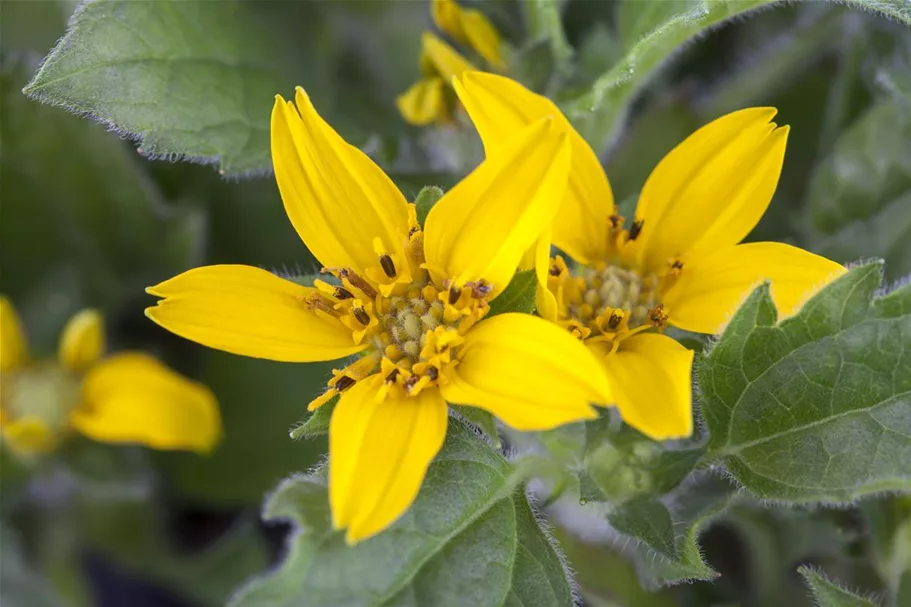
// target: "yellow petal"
[[13, 346], [468, 26], [82, 341], [378, 455], [482, 37], [28, 436], [709, 291], [337, 198], [712, 189], [650, 377], [133, 398], [248, 311], [528, 372], [446, 16], [447, 62], [422, 103], [481, 228], [499, 108]]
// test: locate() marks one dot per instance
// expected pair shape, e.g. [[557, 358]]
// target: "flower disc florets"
[[609, 299], [414, 327]]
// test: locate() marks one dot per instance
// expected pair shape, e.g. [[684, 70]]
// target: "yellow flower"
[[679, 262], [125, 398], [411, 301], [430, 98]]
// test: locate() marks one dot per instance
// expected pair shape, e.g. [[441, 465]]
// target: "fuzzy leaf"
[[317, 424], [647, 520], [815, 408], [650, 33], [194, 79], [481, 419], [860, 196], [668, 552], [519, 295], [829, 594], [469, 539]]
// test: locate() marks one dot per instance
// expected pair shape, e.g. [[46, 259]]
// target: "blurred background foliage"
[[88, 220]]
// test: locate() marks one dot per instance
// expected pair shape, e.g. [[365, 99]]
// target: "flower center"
[[36, 403], [605, 301], [414, 326]]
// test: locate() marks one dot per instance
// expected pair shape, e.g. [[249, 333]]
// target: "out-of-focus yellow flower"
[[411, 301], [679, 262], [431, 99], [126, 398]]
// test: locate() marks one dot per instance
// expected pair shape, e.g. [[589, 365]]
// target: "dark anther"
[[432, 373], [614, 320], [358, 282], [615, 221], [413, 230], [635, 229], [454, 294], [343, 383], [480, 289], [390, 379], [388, 266], [342, 293], [555, 270], [677, 265], [361, 315], [410, 382]]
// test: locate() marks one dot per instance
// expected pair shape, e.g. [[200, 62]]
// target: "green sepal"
[[519, 295], [426, 198], [317, 424]]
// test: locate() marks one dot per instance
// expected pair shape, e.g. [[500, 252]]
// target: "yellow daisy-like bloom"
[[411, 301], [125, 398], [431, 98], [679, 262]]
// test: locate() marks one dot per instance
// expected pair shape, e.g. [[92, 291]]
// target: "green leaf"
[[317, 424], [860, 195], [202, 77], [519, 295], [669, 551], [424, 201], [77, 200], [814, 408], [469, 539], [482, 420], [829, 594], [647, 520], [650, 33]]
